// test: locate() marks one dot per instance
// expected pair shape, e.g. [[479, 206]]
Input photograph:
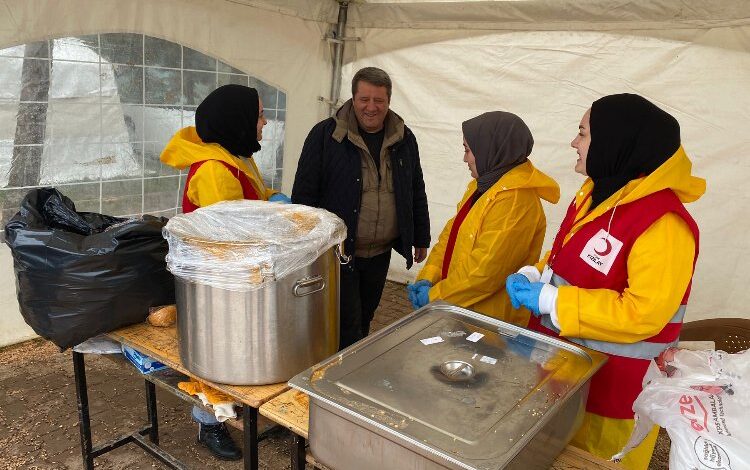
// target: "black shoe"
[[219, 442]]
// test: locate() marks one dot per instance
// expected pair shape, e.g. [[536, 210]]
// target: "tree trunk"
[[31, 121]]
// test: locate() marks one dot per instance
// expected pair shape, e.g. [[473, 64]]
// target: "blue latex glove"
[[414, 292], [528, 295], [513, 282], [280, 197], [423, 296], [411, 290]]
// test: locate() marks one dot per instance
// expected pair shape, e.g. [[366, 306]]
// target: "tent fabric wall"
[[699, 74], [266, 40], [545, 60]]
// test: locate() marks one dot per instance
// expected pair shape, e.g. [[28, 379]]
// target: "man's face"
[[370, 106]]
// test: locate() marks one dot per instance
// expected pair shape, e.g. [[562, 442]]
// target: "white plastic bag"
[[98, 345], [702, 399]]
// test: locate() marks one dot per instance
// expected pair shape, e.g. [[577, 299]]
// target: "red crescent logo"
[[606, 250]]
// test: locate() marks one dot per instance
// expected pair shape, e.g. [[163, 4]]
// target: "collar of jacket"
[[674, 174], [186, 148], [347, 126], [523, 176]]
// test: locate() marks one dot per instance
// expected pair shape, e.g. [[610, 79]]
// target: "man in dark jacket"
[[363, 165]]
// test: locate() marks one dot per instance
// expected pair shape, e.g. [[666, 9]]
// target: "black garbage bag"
[[79, 274]]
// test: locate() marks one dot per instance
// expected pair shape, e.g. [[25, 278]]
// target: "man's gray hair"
[[373, 76]]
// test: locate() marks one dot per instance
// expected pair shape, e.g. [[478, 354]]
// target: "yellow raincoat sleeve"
[[502, 245], [660, 266], [213, 182]]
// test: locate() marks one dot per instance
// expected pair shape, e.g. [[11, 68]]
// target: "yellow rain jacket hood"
[[503, 231], [212, 182]]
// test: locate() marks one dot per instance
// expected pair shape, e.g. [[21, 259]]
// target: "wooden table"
[[161, 344], [290, 409]]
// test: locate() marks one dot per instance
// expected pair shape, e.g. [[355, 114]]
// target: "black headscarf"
[[499, 141], [229, 117], [630, 138]]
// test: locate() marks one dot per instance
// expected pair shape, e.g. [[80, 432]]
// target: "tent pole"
[[338, 55]]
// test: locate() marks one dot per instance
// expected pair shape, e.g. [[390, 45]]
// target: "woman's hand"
[[419, 293], [513, 282], [528, 295]]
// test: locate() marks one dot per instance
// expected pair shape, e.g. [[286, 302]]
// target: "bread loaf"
[[165, 315]]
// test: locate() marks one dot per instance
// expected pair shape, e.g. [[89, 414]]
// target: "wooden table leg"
[[153, 418], [84, 421], [90, 452], [298, 452], [250, 438]]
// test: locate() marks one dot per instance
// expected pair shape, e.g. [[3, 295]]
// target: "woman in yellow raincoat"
[[499, 225], [218, 150], [618, 276]]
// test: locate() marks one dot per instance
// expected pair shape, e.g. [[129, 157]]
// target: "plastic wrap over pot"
[[241, 245]]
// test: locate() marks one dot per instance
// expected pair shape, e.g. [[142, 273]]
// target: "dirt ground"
[[39, 421]]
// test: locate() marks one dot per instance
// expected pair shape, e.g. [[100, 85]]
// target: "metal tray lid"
[[454, 383]]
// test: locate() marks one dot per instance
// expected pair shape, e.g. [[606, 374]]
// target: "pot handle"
[[343, 258], [309, 282]]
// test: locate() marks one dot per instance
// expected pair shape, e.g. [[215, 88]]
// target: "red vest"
[[248, 192], [596, 257], [457, 221]]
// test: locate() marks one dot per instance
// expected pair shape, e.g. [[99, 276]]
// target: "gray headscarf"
[[499, 141]]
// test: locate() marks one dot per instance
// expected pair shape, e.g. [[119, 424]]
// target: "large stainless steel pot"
[[262, 336], [447, 388]]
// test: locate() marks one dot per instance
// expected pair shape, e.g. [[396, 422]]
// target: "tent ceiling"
[[579, 15], [550, 14], [315, 10]]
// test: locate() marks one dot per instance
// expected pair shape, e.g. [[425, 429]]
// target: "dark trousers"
[[360, 293]]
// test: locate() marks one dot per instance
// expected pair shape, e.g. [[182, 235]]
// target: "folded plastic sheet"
[[242, 245]]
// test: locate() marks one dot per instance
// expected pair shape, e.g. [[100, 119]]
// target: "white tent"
[[545, 60]]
